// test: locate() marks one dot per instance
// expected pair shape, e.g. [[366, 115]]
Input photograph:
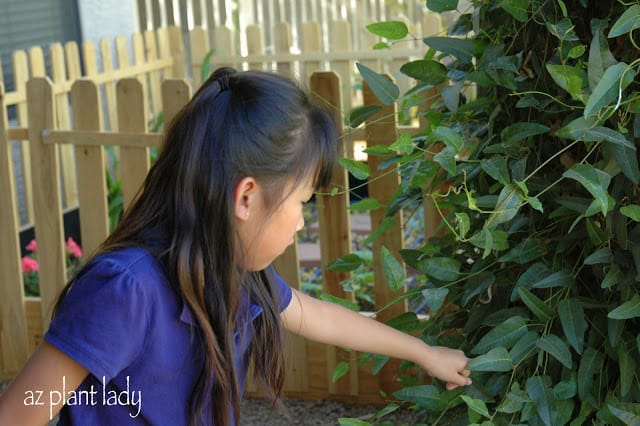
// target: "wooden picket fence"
[[24, 319], [61, 122]]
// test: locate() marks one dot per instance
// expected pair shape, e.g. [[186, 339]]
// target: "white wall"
[[107, 19]]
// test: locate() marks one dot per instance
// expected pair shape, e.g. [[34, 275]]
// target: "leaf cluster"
[[530, 159]]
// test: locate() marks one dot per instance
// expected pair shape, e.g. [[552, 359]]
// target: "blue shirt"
[[124, 323]]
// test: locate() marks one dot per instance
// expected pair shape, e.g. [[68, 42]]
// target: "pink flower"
[[73, 248], [29, 264], [32, 246]]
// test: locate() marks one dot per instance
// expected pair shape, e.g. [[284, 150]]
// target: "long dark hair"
[[240, 124]]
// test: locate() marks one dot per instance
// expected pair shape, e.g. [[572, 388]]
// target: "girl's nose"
[[300, 223]]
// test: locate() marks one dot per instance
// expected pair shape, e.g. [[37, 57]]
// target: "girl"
[[160, 326]]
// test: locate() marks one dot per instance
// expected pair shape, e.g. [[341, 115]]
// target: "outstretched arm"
[[330, 323], [36, 394]]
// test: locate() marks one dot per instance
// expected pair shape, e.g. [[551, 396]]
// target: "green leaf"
[[490, 239], [627, 417], [535, 305], [378, 150], [435, 297], [629, 309], [566, 389], [594, 180], [358, 169], [631, 211], [553, 345], [393, 271], [442, 5], [381, 45], [346, 263], [516, 8], [427, 71], [520, 131], [525, 252], [505, 334], [557, 279], [459, 48], [443, 269], [476, 405], [524, 347], [427, 396], [403, 145], [615, 79], [464, 223], [627, 369], [563, 30], [573, 321], [576, 128], [590, 364], [365, 205], [613, 277], [514, 400], [341, 369], [571, 79], [385, 90], [393, 30], [343, 421], [600, 57], [340, 301], [599, 133], [447, 160], [497, 359], [450, 137], [627, 160], [539, 390], [360, 114], [496, 167], [627, 22], [602, 255], [506, 207]]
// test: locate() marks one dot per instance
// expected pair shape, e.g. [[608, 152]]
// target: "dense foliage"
[[536, 271]]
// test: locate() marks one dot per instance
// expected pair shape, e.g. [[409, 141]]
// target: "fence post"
[[341, 42], [13, 316], [134, 161], [151, 48], [335, 230], [45, 172], [90, 165], [311, 43], [383, 184]]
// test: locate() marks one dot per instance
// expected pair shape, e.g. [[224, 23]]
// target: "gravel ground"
[[258, 412]]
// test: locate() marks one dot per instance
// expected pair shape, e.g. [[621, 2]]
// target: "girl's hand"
[[448, 365]]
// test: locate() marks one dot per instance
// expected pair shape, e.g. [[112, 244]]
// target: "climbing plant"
[[530, 160]]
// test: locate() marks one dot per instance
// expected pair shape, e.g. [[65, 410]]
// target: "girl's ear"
[[245, 195]]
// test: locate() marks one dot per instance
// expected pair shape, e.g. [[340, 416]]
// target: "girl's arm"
[[36, 395], [330, 323]]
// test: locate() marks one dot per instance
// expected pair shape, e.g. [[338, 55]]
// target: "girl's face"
[[264, 234]]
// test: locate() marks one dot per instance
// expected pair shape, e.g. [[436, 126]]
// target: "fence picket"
[[255, 45], [155, 91], [110, 86], [14, 348], [90, 165], [20, 77], [59, 75], [134, 161], [45, 172]]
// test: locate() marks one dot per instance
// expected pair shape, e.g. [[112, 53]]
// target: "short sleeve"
[[281, 289], [103, 320]]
